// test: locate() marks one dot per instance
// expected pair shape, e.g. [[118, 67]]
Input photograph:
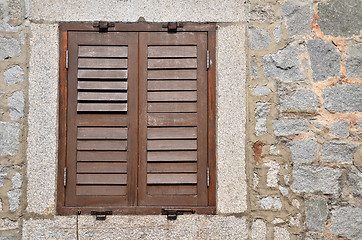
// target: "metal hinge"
[[173, 213], [207, 59], [65, 177], [101, 216], [208, 177], [66, 59]]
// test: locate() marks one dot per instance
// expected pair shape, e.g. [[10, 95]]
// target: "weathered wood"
[[101, 167], [172, 74], [172, 85], [102, 156], [171, 144], [169, 156], [102, 96], [102, 63], [101, 145], [172, 63], [172, 96], [102, 85], [172, 167], [112, 179], [172, 178], [103, 74], [101, 190], [102, 107], [172, 51], [101, 133], [172, 119], [172, 107], [172, 133], [111, 120], [172, 190], [102, 51]]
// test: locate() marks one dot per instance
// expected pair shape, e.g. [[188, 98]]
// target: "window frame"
[[64, 28]]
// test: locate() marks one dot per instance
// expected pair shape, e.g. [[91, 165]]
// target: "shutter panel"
[[102, 119], [173, 119]]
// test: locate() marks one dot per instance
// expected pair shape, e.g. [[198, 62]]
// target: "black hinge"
[[101, 215], [103, 26], [172, 26], [172, 213]]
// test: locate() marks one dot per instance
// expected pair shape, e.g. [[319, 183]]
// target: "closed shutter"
[[102, 118], [173, 119]]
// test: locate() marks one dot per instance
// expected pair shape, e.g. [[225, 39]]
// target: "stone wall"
[[294, 77]]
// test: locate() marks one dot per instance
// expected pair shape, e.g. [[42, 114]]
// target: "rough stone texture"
[[261, 91], [9, 238], [303, 151], [299, 16], [285, 64], [259, 38], [354, 61], [58, 228], [281, 233], [347, 222], [231, 193], [6, 224], [14, 197], [253, 68], [358, 124], [316, 211], [42, 118], [343, 98], [157, 227], [258, 230], [272, 175], [262, 13], [16, 180], [14, 75], [271, 203], [130, 11], [338, 152], [324, 59], [340, 18], [16, 105], [355, 181], [277, 34], [9, 138], [340, 129], [309, 179], [9, 47], [303, 101], [3, 172], [293, 126], [261, 114], [16, 11], [284, 191]]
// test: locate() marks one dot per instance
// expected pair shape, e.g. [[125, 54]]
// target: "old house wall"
[[289, 119]]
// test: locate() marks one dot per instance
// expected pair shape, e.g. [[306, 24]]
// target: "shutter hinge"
[[208, 176], [66, 59], [65, 177], [207, 59]]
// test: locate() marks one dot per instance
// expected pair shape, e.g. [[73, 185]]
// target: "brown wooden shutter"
[[102, 118], [173, 119]]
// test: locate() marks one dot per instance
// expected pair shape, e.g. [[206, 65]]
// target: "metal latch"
[[101, 215], [172, 213], [103, 26], [172, 26]]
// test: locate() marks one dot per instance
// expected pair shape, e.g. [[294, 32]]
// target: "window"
[[137, 118]]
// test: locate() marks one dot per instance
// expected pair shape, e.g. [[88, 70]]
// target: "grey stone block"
[[303, 151], [259, 38], [355, 181], [343, 98], [261, 91], [310, 179], [258, 230], [16, 105], [325, 59], [340, 129], [347, 222], [316, 211], [299, 16], [358, 124], [285, 64], [17, 180], [9, 238], [9, 47], [288, 127], [262, 13], [3, 172], [284, 191], [14, 197], [281, 233], [354, 61], [340, 18], [16, 12], [277, 34], [253, 68], [303, 101], [338, 152], [261, 114], [14, 75], [9, 138], [271, 203]]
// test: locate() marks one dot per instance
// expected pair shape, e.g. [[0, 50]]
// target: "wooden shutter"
[[173, 119], [102, 118]]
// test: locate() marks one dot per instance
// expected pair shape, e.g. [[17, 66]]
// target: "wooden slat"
[[102, 107], [172, 133], [103, 74], [172, 74], [171, 167], [103, 167], [172, 51], [172, 96], [172, 63], [100, 156], [102, 85], [101, 133], [102, 96], [102, 179], [102, 51], [171, 178], [171, 107], [172, 119], [101, 190], [172, 85], [102, 63], [112, 120], [171, 144], [101, 145], [172, 190], [170, 156]]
